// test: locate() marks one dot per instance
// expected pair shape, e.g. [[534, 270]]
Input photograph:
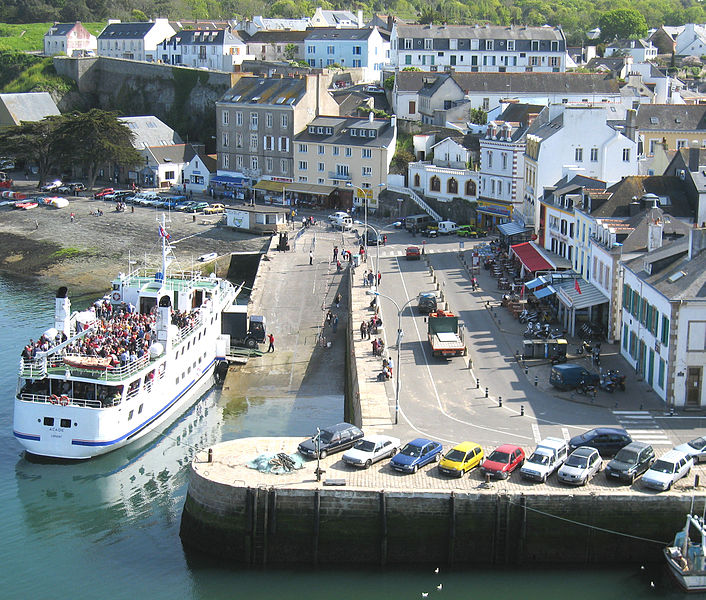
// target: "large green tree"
[[34, 142], [622, 23], [96, 139]]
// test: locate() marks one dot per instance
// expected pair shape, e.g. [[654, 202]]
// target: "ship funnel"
[[164, 319], [62, 311]]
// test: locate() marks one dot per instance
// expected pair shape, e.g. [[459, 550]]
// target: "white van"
[[446, 227], [341, 219], [547, 457]]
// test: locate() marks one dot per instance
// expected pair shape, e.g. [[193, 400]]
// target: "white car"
[[370, 449], [696, 448], [582, 464], [667, 469]]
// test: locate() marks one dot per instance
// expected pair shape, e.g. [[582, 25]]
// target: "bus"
[[418, 222]]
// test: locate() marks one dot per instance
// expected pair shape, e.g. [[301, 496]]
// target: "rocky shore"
[[44, 244]]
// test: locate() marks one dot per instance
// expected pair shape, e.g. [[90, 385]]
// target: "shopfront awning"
[[530, 258], [590, 295], [264, 185], [534, 283], [228, 180], [311, 188], [512, 228], [555, 260], [544, 292]]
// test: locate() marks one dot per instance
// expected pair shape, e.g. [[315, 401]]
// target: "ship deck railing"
[[55, 365], [185, 332], [45, 399]]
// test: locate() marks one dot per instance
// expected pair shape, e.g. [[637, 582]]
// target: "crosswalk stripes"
[[535, 432], [642, 427], [565, 433]]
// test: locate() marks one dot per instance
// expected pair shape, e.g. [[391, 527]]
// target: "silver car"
[[582, 464], [370, 449], [696, 448]]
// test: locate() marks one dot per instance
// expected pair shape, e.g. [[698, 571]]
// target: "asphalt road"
[[438, 397]]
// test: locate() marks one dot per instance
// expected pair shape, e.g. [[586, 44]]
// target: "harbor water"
[[109, 527]]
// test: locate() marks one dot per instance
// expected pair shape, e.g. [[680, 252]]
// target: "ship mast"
[[164, 235]]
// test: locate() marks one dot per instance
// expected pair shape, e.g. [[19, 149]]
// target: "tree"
[[478, 116], [290, 51], [622, 23], [411, 69], [139, 16], [389, 83], [95, 139], [34, 142]]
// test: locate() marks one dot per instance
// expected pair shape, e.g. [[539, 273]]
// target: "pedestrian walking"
[[338, 300], [384, 240], [379, 277], [271, 339], [335, 253], [311, 257], [363, 330], [36, 224], [371, 278], [374, 344], [335, 323], [72, 216], [365, 277]]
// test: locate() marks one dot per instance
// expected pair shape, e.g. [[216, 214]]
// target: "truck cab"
[[243, 331], [547, 457]]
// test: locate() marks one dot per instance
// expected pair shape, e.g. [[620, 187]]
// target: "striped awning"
[[544, 292]]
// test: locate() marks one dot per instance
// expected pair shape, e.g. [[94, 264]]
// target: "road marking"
[[642, 427], [535, 432], [565, 433]]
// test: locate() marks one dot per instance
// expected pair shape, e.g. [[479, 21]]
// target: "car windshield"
[[539, 459], [499, 457], [325, 436], [626, 456], [411, 450], [662, 466], [698, 443], [579, 462], [365, 446], [455, 455]]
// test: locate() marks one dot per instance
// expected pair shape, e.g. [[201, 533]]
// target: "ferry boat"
[[103, 378], [685, 557]]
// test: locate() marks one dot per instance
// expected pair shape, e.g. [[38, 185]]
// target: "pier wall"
[[277, 525]]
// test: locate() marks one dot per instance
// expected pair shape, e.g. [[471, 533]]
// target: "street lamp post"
[[400, 310], [377, 233]]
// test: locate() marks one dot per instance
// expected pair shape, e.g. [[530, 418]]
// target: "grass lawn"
[[29, 37]]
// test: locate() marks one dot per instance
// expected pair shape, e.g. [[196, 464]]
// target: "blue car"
[[415, 454]]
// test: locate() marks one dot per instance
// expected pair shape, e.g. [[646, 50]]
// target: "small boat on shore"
[[26, 204], [686, 556]]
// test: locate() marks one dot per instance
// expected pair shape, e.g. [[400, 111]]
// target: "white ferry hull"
[[80, 441]]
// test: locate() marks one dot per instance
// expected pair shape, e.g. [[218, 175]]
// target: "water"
[[110, 527]]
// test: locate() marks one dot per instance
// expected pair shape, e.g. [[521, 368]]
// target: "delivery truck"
[[243, 331], [443, 334]]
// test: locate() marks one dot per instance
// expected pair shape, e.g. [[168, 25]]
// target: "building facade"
[[134, 41], [214, 49], [478, 48], [71, 39], [277, 45]]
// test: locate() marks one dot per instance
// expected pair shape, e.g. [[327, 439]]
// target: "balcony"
[[339, 176]]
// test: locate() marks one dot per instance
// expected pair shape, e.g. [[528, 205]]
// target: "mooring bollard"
[[210, 455], [522, 410], [536, 381], [526, 370], [486, 392], [477, 383], [697, 480], [500, 401]]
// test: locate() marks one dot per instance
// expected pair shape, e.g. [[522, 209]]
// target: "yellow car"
[[461, 459], [213, 209]]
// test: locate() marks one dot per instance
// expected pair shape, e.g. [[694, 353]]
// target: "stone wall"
[[343, 526]]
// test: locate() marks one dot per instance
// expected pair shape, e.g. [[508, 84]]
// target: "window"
[[169, 175], [488, 44], [408, 59], [367, 153], [535, 46], [408, 44], [412, 107], [330, 50], [452, 186], [269, 164], [367, 171], [311, 49], [342, 170], [284, 144], [268, 120], [490, 159], [681, 144], [504, 159], [65, 423], [284, 121], [225, 117], [303, 166], [511, 45], [696, 341], [303, 148], [428, 44], [238, 118], [269, 142], [357, 50], [594, 154], [578, 156], [48, 422], [435, 184], [357, 63], [470, 188], [555, 46], [553, 61], [253, 120], [225, 139], [626, 154], [322, 166], [284, 166], [416, 180], [253, 142], [486, 104], [335, 150], [253, 163], [322, 149], [349, 152]]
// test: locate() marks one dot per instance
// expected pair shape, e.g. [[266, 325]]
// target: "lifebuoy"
[[116, 296], [54, 399], [64, 401]]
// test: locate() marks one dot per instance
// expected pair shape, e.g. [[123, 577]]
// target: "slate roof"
[[613, 63], [150, 131], [276, 36], [636, 186], [341, 132], [636, 241], [266, 91], [206, 37], [126, 31], [61, 28], [518, 116], [177, 154], [628, 44], [210, 161], [536, 83], [671, 117], [29, 106], [335, 17], [492, 32], [334, 33]]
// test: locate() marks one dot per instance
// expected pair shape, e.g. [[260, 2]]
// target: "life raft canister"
[[116, 296]]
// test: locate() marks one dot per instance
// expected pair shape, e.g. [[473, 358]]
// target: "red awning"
[[530, 258]]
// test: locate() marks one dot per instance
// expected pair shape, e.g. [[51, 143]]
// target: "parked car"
[[630, 462], [461, 459], [547, 457], [51, 186], [447, 227], [582, 464], [196, 206], [427, 302], [668, 469], [214, 209], [70, 188], [607, 440], [502, 461], [413, 253], [331, 439], [696, 448], [374, 89], [569, 375], [102, 193], [466, 231], [415, 454], [371, 449]]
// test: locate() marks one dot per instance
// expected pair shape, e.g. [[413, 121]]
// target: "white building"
[[134, 41], [478, 48], [576, 139], [164, 165], [198, 172], [336, 18], [71, 39], [640, 50], [664, 328], [448, 176], [214, 49], [691, 41]]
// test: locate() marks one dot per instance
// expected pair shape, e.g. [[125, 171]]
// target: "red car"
[[413, 253], [503, 460], [104, 192]]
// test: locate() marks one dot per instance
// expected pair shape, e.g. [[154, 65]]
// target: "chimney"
[[694, 156], [371, 116], [697, 241], [631, 124], [393, 121], [360, 19], [634, 207], [654, 235]]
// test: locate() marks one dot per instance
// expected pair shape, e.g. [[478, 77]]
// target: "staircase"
[[418, 199]]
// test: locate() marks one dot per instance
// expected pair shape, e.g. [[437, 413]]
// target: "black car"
[[607, 440], [630, 462], [331, 439]]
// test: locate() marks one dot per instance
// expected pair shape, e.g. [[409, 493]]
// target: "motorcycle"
[[586, 388], [588, 347], [527, 316], [606, 384], [617, 378]]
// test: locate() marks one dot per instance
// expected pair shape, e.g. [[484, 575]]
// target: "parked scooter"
[[588, 347], [606, 383], [586, 388], [527, 316], [617, 378]]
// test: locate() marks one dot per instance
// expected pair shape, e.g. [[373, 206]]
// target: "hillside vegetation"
[[29, 37], [575, 16]]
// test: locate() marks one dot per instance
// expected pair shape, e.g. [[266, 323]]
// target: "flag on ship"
[[163, 232]]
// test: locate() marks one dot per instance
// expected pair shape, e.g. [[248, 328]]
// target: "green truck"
[[443, 334]]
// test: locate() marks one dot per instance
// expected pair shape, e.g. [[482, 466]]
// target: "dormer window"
[[320, 130], [354, 132], [371, 133], [312, 129], [363, 133]]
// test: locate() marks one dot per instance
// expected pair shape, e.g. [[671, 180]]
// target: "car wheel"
[[437, 458], [669, 486], [394, 451], [415, 468], [585, 480], [544, 479], [323, 454], [632, 478], [368, 463]]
